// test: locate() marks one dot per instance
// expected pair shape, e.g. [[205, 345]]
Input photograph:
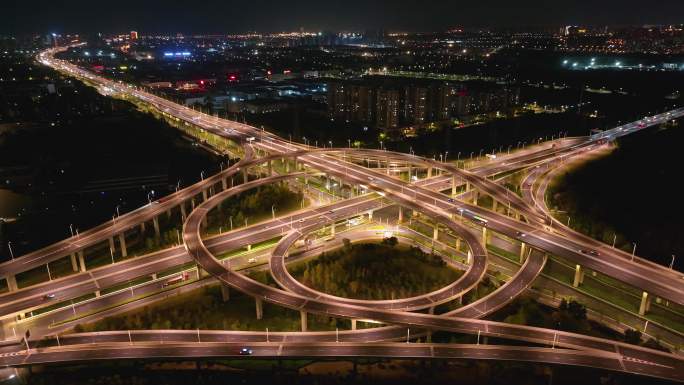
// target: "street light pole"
[[672, 262], [9, 246], [633, 250]]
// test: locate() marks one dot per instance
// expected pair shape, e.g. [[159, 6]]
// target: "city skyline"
[[341, 192], [267, 16]]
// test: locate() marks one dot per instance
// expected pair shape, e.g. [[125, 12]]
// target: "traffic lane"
[[88, 282], [338, 350], [457, 288]]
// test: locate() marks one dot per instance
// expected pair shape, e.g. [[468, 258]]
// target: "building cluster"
[[392, 103]]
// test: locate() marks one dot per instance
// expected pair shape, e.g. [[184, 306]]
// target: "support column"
[[245, 176], [81, 260], [201, 273], [142, 227], [122, 243], [225, 293], [435, 232], [224, 184], [388, 165], [645, 303], [429, 172], [259, 308], [476, 197], [192, 204], [458, 244], [270, 167], [332, 229], [523, 246], [494, 204], [485, 235], [74, 262], [353, 322], [97, 293], [112, 246], [287, 165], [453, 185], [470, 257], [304, 320], [401, 214], [370, 215], [155, 221], [183, 213], [578, 276], [410, 172], [204, 195], [11, 283]]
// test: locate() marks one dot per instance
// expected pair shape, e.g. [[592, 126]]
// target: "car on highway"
[[49, 296], [246, 352], [450, 200], [590, 252], [520, 234], [252, 260]]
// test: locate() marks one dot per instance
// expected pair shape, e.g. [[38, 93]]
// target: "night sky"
[[212, 16]]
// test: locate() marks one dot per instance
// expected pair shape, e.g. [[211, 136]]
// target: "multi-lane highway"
[[535, 230]]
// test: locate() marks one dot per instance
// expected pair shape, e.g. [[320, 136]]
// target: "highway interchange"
[[530, 223]]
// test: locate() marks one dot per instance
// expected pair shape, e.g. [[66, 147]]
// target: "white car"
[[252, 260]]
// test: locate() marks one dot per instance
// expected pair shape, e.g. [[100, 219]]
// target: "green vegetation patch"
[[375, 271]]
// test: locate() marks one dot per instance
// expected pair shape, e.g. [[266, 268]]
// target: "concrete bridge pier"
[[579, 276], [429, 172], [270, 167], [224, 184], [74, 261], [304, 320], [485, 236], [645, 303], [184, 214], [458, 244], [245, 176], [11, 283], [523, 246], [353, 324], [259, 308], [435, 232], [453, 185], [155, 222], [122, 243], [81, 260], [401, 215], [205, 196], [225, 293]]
